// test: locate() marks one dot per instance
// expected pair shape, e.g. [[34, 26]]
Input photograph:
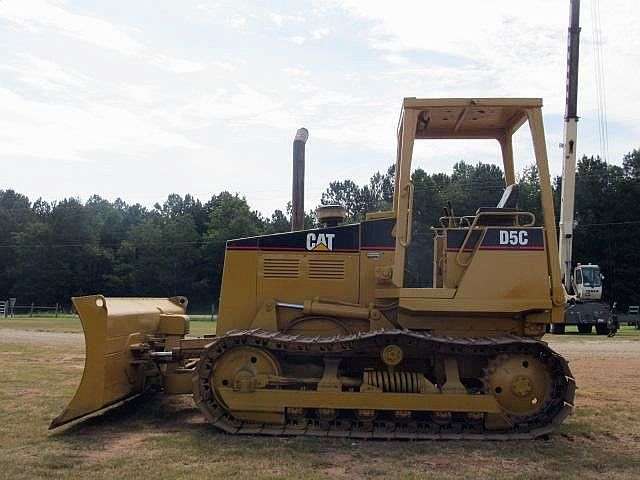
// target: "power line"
[[203, 242], [607, 224], [599, 70]]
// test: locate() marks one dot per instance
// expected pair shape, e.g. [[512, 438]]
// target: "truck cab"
[[587, 282]]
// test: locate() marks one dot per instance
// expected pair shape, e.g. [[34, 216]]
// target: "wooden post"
[[31, 312], [56, 310]]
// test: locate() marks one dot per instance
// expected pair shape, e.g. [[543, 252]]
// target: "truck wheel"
[[585, 328], [557, 328], [602, 329]]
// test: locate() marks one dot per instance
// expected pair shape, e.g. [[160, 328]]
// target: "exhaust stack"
[[297, 192]]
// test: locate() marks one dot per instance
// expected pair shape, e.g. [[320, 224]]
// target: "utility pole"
[[569, 146]]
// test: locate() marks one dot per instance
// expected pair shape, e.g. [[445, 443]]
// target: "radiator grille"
[[281, 267], [326, 269]]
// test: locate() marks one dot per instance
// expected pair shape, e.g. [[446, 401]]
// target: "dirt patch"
[[610, 347], [28, 393], [8, 335], [606, 372], [338, 465]]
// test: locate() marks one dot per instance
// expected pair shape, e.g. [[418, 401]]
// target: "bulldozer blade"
[[111, 326]]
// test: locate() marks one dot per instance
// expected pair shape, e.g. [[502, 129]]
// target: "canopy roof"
[[469, 117]]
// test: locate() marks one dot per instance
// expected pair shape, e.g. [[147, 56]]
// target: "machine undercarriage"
[[386, 384]]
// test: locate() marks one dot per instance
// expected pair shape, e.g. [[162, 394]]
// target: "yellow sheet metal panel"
[[174, 324], [426, 292], [267, 400], [111, 326], [238, 306], [467, 305], [295, 277], [520, 277], [369, 261], [468, 118]]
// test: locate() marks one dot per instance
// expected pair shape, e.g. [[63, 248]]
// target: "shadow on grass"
[[174, 430], [142, 411]]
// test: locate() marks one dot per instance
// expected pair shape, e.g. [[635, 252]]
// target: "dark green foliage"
[[607, 213], [52, 251], [608, 223], [374, 197]]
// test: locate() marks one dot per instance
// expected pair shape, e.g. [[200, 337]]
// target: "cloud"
[[72, 132], [41, 74], [502, 48], [43, 16], [241, 77], [277, 19], [396, 59], [244, 106], [320, 33], [39, 15], [236, 22], [280, 19], [297, 39], [297, 72], [178, 65]]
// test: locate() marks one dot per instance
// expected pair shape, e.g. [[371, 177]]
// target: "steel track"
[[555, 410]]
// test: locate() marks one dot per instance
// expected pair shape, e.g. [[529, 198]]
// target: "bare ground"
[[8, 335]]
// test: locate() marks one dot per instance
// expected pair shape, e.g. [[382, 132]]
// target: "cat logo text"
[[319, 242]]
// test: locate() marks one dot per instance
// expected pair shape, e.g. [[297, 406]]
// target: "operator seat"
[[508, 204]]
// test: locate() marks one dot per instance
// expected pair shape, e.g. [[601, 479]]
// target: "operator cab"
[[497, 261], [457, 239]]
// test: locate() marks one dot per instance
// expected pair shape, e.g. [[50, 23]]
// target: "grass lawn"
[[571, 335], [165, 437], [202, 324]]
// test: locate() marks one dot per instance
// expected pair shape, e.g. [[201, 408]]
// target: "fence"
[[8, 308]]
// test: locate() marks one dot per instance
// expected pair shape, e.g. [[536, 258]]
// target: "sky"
[[142, 99]]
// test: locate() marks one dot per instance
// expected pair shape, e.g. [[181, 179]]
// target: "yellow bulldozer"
[[317, 334]]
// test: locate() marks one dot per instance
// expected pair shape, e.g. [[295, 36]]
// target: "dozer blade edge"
[[111, 326]]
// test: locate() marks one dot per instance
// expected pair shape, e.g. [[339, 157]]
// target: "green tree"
[[15, 216], [230, 217]]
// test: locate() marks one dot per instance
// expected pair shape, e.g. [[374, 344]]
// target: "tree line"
[[51, 251]]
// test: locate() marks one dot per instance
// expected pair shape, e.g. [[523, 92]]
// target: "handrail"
[[446, 221], [516, 215], [449, 221], [483, 228], [466, 239], [408, 237]]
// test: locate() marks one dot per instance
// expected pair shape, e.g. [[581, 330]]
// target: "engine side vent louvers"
[[325, 269], [281, 268]]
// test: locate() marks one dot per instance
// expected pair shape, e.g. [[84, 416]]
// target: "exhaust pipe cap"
[[331, 215]]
